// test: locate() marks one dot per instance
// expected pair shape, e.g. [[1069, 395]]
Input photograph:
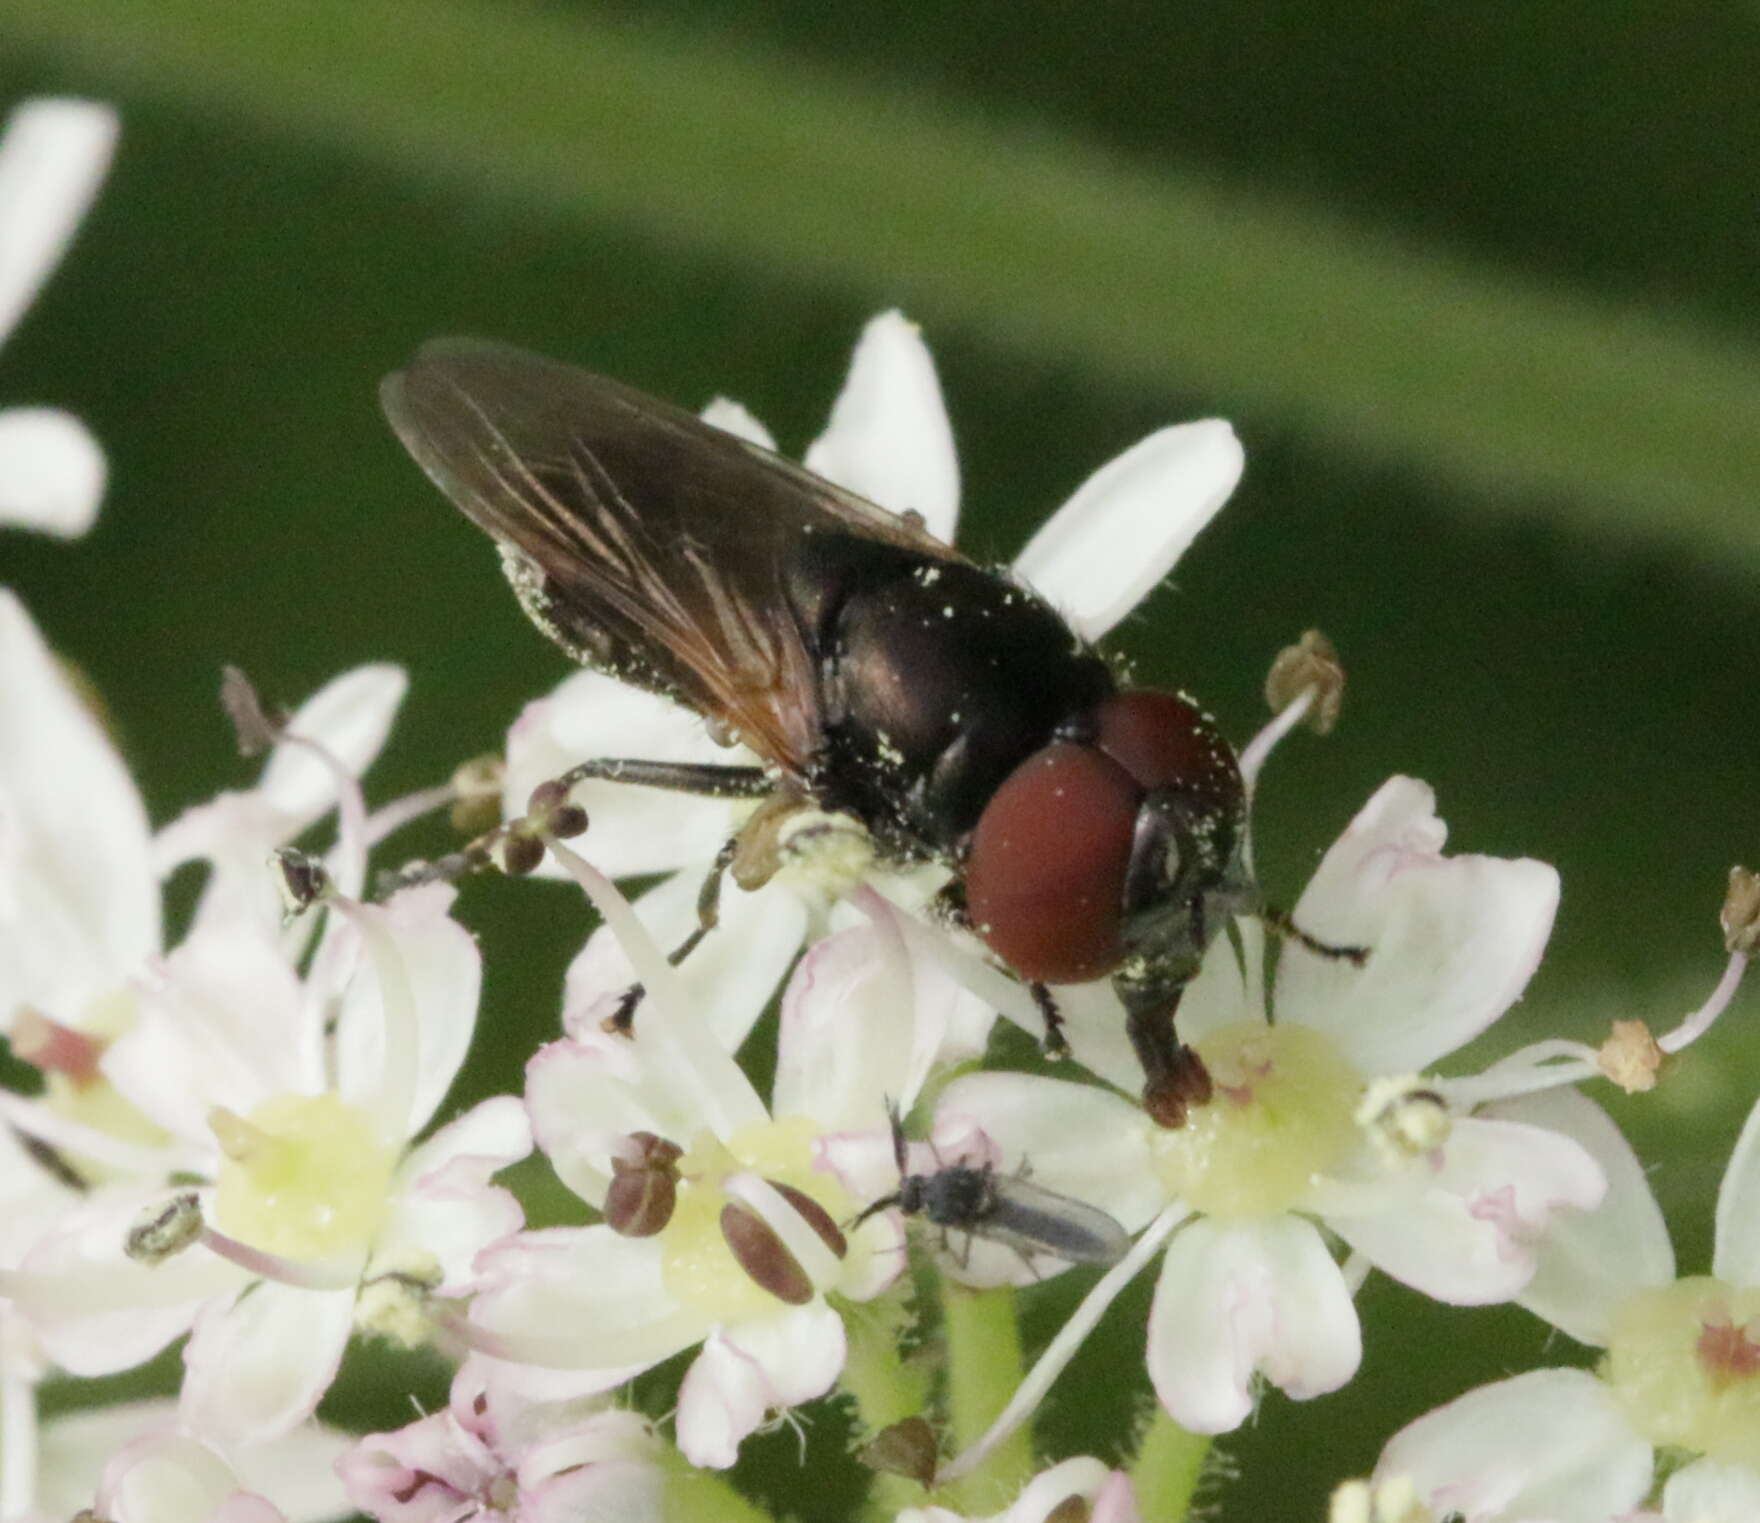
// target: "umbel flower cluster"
[[239, 1142]]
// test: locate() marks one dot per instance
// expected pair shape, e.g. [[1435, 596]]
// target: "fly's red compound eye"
[[1045, 878], [1162, 740]]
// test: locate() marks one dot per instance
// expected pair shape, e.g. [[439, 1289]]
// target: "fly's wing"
[[643, 540], [1036, 1220]]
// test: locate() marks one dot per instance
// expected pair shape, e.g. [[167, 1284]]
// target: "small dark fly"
[[1001, 1208], [876, 671]]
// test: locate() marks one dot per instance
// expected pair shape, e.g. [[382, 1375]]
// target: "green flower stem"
[[885, 1386], [1627, 421], [1167, 1469], [702, 1496], [984, 1366]]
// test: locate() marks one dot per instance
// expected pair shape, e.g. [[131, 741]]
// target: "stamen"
[[50, 1047], [395, 1091], [1062, 1348], [1257, 751], [77, 1140], [802, 1239], [275, 1266], [1702, 1019]]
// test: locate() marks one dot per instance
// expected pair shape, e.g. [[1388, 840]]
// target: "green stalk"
[[702, 1496], [885, 1386], [1630, 422], [1167, 1469], [984, 1366]]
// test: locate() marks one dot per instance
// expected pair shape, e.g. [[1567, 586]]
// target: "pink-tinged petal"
[[1073, 1138], [572, 1434], [73, 1449], [888, 438], [444, 973], [96, 1311], [165, 1479], [79, 902], [1116, 1501], [1240, 1297], [581, 1298], [1550, 1444], [616, 1491], [1710, 1491], [745, 1373], [850, 1038], [737, 419], [1107, 1494], [53, 156], [446, 1209], [634, 830], [1737, 1256], [732, 975], [349, 717], [257, 1368], [1466, 1228], [1111, 544], [52, 472], [429, 1471], [1590, 1261], [222, 1023], [1452, 940]]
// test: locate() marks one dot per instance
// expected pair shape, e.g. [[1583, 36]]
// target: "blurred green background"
[[1478, 288]]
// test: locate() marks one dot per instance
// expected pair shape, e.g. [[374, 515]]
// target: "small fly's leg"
[[1280, 923], [1054, 1045], [514, 844], [708, 917], [1174, 1076]]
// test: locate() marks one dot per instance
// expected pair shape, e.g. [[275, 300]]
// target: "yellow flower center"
[[1685, 1362], [306, 1177], [698, 1265], [1282, 1115]]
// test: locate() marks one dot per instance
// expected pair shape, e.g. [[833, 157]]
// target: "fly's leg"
[[516, 846], [1280, 923], [1174, 1076], [1054, 1045], [708, 917]]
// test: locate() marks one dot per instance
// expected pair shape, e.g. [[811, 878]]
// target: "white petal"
[[165, 1479], [1110, 545], [1709, 1491], [52, 159], [634, 830], [1244, 1296], [349, 716], [1590, 1261], [223, 1023], [747, 1371], [1452, 941], [444, 972], [1466, 1231], [1737, 1256], [888, 438], [1075, 1139], [52, 471], [79, 902], [585, 1297], [446, 1208], [733, 973], [612, 1491], [1549, 1444], [257, 1368], [736, 419]]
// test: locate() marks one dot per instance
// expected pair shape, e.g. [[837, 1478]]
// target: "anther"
[[476, 787], [644, 1186], [1310, 665], [165, 1229], [303, 880], [1404, 1117], [762, 1254], [1630, 1057], [1741, 912], [253, 727]]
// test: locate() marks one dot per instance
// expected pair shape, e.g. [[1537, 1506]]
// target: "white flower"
[[888, 439], [498, 1450], [53, 156], [723, 1214], [1454, 1207], [294, 1105], [1681, 1372]]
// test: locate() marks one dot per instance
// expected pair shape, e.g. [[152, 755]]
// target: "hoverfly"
[[1001, 1208], [877, 672]]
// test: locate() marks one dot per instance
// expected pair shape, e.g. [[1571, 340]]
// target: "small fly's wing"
[[643, 540], [1036, 1220]]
